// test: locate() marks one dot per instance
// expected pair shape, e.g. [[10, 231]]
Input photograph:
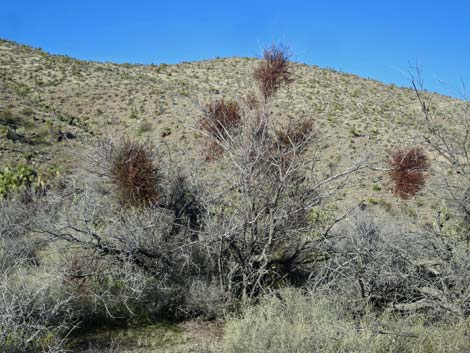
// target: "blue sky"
[[375, 39]]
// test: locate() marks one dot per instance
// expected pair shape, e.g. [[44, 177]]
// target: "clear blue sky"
[[376, 39]]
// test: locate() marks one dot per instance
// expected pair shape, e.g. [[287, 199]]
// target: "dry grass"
[[295, 322]]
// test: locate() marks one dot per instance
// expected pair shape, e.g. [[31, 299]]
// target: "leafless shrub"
[[274, 70], [408, 171], [258, 231], [33, 318], [261, 225], [134, 235], [79, 269], [35, 315], [132, 260], [450, 143], [104, 291], [386, 265], [16, 244], [260, 243], [207, 300], [114, 296]]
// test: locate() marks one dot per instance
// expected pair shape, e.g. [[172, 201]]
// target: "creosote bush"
[[408, 171], [274, 70], [260, 231]]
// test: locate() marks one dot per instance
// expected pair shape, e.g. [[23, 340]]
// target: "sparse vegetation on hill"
[[232, 205]]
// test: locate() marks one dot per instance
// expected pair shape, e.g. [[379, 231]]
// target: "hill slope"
[[49, 103]]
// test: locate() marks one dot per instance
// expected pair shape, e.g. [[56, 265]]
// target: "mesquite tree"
[[262, 225]]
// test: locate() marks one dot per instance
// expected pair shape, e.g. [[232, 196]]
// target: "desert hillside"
[[178, 208], [51, 102]]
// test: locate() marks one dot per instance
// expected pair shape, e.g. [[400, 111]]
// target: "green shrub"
[[17, 177]]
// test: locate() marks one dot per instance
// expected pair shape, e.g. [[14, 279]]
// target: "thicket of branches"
[[451, 147]]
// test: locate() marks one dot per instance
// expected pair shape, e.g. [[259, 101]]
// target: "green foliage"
[[449, 223], [376, 187], [320, 215], [321, 218], [19, 177]]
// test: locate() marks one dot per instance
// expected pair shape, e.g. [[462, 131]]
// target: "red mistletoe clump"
[[221, 119], [274, 70], [134, 174], [408, 171]]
